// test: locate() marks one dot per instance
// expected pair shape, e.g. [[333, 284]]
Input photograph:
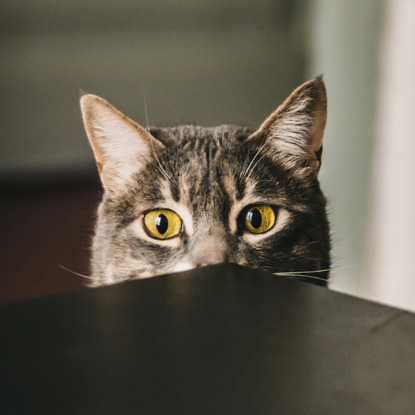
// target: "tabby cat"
[[189, 196]]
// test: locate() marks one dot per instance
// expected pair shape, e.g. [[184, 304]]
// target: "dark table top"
[[218, 340]]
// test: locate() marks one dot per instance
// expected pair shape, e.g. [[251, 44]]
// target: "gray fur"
[[211, 175]]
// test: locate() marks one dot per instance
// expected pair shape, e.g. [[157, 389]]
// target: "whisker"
[[247, 171], [162, 170], [145, 109], [158, 165], [76, 273], [301, 277], [309, 272], [304, 275], [253, 167]]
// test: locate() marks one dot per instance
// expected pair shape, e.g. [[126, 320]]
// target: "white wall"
[[391, 240], [366, 49], [343, 43]]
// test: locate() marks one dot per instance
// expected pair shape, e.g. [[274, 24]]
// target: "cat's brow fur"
[[208, 176]]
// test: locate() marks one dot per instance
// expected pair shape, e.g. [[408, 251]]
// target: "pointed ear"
[[121, 146], [297, 126]]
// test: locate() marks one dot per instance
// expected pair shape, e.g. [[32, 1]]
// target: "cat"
[[189, 196]]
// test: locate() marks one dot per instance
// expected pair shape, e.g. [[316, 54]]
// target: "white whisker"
[[309, 272], [253, 167], [77, 273], [162, 170], [302, 275], [247, 171], [145, 110], [158, 165]]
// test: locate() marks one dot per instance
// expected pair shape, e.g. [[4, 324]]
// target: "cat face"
[[188, 196]]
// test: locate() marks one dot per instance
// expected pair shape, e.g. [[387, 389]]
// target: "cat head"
[[189, 196]]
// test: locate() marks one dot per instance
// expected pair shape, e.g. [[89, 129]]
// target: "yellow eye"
[[163, 223], [259, 219]]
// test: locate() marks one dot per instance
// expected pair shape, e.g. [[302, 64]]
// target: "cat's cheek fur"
[[183, 266]]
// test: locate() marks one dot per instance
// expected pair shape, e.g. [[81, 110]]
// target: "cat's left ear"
[[297, 126]]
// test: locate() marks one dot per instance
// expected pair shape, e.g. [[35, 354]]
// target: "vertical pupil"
[[162, 224], [255, 217]]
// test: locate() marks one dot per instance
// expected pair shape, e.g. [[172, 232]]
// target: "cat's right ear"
[[120, 145]]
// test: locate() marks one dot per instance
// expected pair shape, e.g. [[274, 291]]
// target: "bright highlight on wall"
[[391, 242]]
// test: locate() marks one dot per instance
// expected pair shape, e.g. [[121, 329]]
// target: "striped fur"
[[208, 176]]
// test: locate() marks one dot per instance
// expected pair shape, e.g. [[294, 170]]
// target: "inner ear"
[[298, 124], [121, 146]]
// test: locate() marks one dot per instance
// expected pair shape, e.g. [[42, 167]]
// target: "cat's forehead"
[[194, 136], [201, 163], [211, 169], [202, 173]]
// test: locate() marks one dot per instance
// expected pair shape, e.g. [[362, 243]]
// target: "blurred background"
[[206, 62]]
